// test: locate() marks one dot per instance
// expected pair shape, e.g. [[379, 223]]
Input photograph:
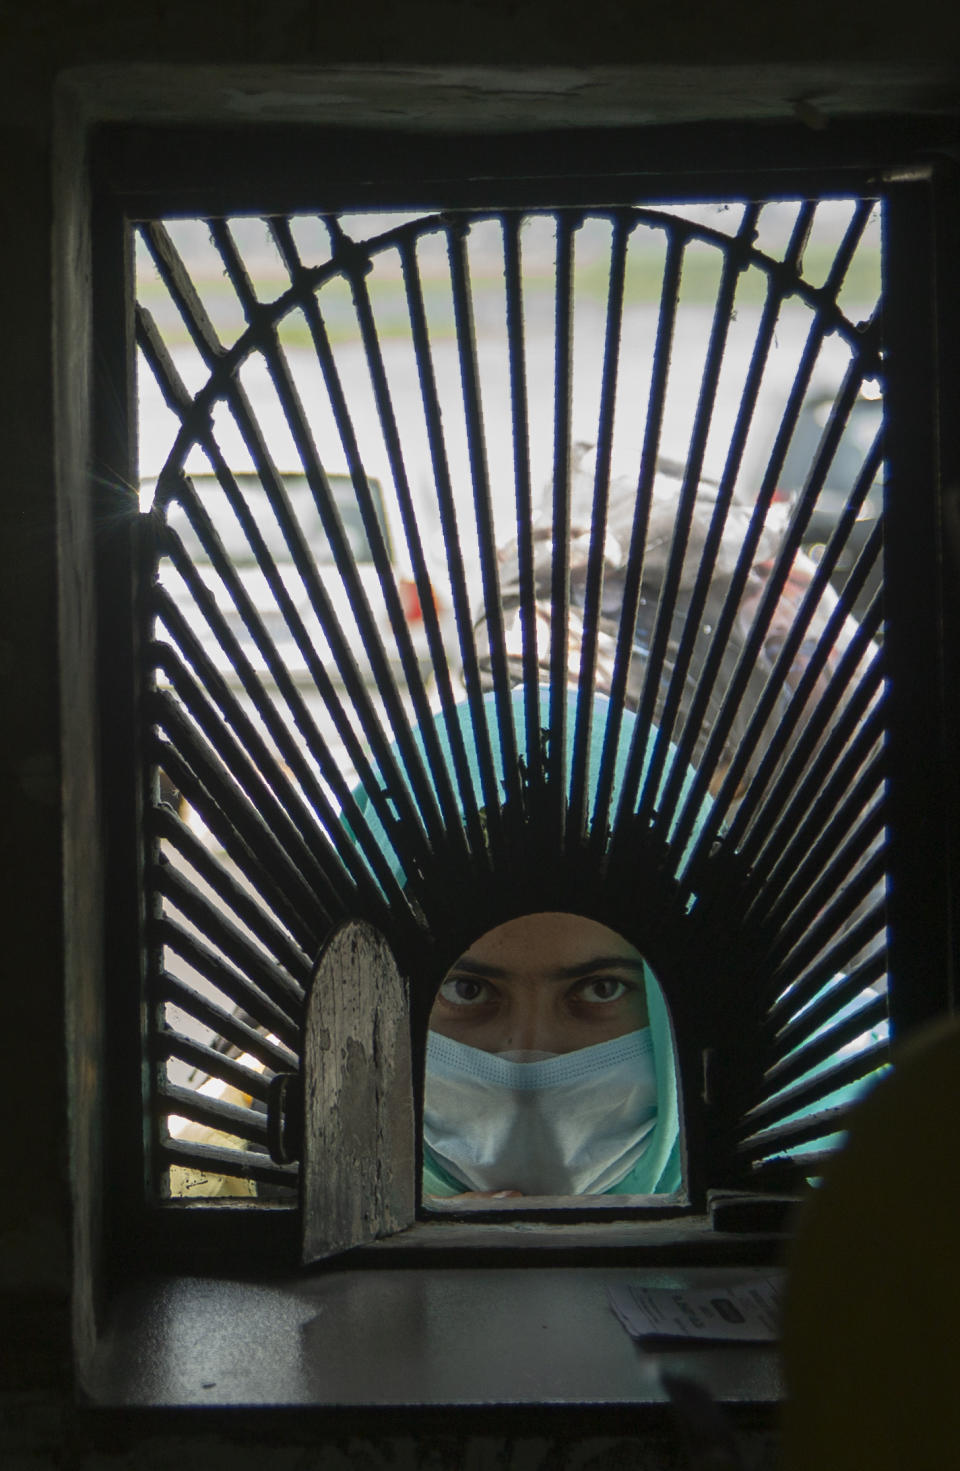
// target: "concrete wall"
[[63, 63]]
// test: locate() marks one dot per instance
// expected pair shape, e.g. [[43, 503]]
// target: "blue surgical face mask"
[[571, 1124]]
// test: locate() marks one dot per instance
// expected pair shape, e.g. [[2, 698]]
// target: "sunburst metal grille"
[[396, 465]]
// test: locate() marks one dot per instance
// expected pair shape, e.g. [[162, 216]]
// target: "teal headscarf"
[[659, 1170]]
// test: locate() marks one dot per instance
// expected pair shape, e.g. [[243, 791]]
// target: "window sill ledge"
[[451, 1339]]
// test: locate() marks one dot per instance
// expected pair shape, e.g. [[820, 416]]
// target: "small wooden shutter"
[[358, 1147]]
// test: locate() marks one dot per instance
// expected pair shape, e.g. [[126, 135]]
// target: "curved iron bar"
[[230, 940], [216, 1113], [232, 818], [396, 788], [733, 264], [797, 711], [784, 1039], [845, 867], [823, 750], [164, 825], [783, 1131], [228, 1025], [810, 968], [638, 538], [865, 363], [470, 825], [241, 1164], [578, 819], [228, 981], [821, 299], [871, 1015], [303, 817], [867, 789], [277, 668], [438, 822], [248, 777], [455, 233], [554, 757], [513, 282], [753, 644], [174, 1046], [226, 572], [766, 332], [791, 954]]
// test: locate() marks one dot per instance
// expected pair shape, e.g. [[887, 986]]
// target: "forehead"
[[548, 942]]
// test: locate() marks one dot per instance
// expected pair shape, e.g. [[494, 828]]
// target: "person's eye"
[[603, 989], [465, 991]]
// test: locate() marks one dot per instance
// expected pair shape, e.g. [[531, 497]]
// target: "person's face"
[[542, 983]]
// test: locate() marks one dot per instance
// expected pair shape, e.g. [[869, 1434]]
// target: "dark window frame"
[[140, 171]]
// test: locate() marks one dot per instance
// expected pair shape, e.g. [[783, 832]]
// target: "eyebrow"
[[468, 967]]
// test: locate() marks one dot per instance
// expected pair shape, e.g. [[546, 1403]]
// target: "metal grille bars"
[[435, 500]]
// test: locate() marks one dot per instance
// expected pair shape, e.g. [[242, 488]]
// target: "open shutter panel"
[[358, 1141]]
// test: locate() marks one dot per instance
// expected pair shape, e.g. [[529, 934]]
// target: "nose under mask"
[[569, 1124]]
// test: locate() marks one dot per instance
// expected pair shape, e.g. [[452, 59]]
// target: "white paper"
[[746, 1311]]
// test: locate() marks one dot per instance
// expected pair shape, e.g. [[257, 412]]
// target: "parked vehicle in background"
[[647, 631], [256, 583]]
